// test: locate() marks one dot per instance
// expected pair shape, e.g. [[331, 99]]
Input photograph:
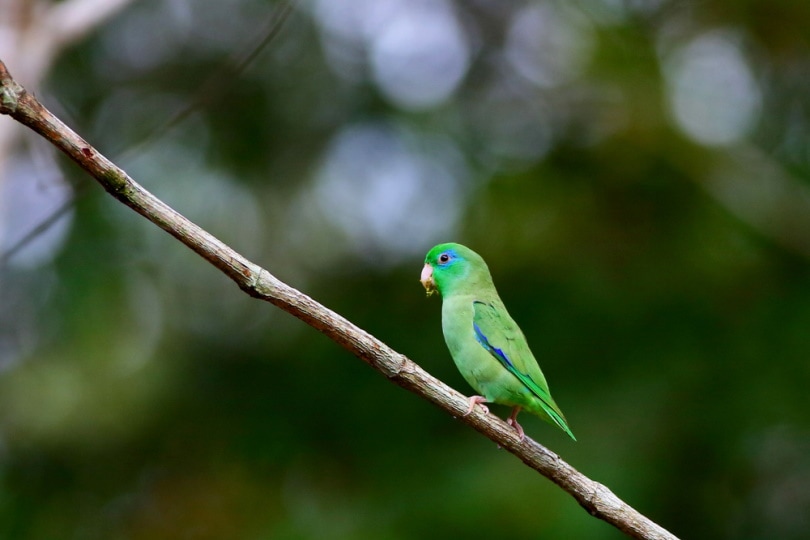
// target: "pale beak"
[[427, 279]]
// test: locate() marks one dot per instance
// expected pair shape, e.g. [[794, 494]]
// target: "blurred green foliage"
[[144, 396]]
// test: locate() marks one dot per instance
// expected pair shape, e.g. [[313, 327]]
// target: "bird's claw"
[[512, 421], [477, 400]]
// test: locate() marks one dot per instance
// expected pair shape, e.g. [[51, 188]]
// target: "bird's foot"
[[512, 421], [477, 400]]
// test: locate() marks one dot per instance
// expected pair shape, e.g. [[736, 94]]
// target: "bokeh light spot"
[[714, 97], [389, 195], [549, 45]]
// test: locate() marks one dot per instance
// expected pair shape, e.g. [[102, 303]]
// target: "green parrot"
[[487, 346]]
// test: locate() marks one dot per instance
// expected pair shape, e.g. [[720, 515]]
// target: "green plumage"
[[486, 344]]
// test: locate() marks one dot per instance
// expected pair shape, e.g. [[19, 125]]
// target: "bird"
[[486, 344]]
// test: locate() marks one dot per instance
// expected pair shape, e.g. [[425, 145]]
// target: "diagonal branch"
[[596, 498]]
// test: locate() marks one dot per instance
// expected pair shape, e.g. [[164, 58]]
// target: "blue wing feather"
[[485, 314], [496, 352]]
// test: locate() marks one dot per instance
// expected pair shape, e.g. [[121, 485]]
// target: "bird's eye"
[[444, 257]]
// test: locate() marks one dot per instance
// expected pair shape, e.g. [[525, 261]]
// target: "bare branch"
[[597, 499]]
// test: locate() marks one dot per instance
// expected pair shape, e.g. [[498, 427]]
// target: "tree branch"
[[597, 499]]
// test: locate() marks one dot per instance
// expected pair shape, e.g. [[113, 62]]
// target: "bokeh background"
[[636, 173]]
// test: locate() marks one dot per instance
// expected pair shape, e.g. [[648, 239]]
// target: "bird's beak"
[[427, 279]]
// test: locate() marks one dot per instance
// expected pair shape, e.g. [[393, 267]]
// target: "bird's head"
[[451, 267]]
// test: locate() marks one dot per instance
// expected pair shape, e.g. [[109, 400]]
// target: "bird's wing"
[[502, 338]]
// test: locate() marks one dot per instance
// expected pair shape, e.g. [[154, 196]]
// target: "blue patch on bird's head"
[[447, 257], [452, 265], [444, 255]]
